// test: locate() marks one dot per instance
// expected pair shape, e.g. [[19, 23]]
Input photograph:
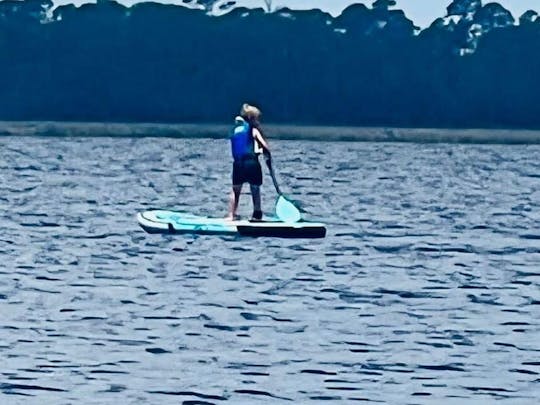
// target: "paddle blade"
[[287, 211]]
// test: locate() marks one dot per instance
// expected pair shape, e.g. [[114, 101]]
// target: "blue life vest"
[[242, 143]]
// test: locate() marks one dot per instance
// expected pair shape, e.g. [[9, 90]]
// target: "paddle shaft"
[[272, 174]]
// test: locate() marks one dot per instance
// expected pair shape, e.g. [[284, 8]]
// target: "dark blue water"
[[426, 289]]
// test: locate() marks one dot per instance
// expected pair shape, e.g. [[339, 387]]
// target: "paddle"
[[285, 209]]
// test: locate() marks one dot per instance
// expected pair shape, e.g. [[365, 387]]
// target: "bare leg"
[[256, 197], [234, 200]]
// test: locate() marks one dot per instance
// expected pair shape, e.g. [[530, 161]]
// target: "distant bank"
[[285, 132]]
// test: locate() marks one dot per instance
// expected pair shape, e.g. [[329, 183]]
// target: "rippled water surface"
[[426, 289]]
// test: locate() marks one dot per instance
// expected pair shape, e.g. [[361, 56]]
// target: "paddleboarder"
[[247, 143]]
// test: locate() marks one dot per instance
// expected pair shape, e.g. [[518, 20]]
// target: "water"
[[426, 289]]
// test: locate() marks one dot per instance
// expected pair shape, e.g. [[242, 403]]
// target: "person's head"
[[251, 114]]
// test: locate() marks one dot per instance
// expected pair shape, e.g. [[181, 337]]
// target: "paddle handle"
[[272, 174]]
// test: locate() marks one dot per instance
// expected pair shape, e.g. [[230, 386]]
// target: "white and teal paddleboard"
[[161, 221]]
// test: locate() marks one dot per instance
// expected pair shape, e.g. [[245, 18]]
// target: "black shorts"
[[247, 171]]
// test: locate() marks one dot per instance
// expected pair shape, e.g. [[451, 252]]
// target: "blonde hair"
[[250, 113]]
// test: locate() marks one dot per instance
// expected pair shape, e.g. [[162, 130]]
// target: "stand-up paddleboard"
[[161, 221]]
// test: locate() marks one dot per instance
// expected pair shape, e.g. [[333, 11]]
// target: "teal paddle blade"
[[286, 211]]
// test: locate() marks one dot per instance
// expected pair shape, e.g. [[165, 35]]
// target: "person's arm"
[[260, 139]]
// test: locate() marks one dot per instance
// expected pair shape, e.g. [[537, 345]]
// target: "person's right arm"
[[260, 139]]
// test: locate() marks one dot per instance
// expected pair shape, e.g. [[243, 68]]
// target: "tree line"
[[370, 66]]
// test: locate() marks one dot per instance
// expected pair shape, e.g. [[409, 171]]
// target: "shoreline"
[[273, 131]]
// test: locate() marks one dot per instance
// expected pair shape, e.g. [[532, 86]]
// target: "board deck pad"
[[163, 221]]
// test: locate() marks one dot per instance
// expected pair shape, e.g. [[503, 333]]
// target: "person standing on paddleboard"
[[247, 143]]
